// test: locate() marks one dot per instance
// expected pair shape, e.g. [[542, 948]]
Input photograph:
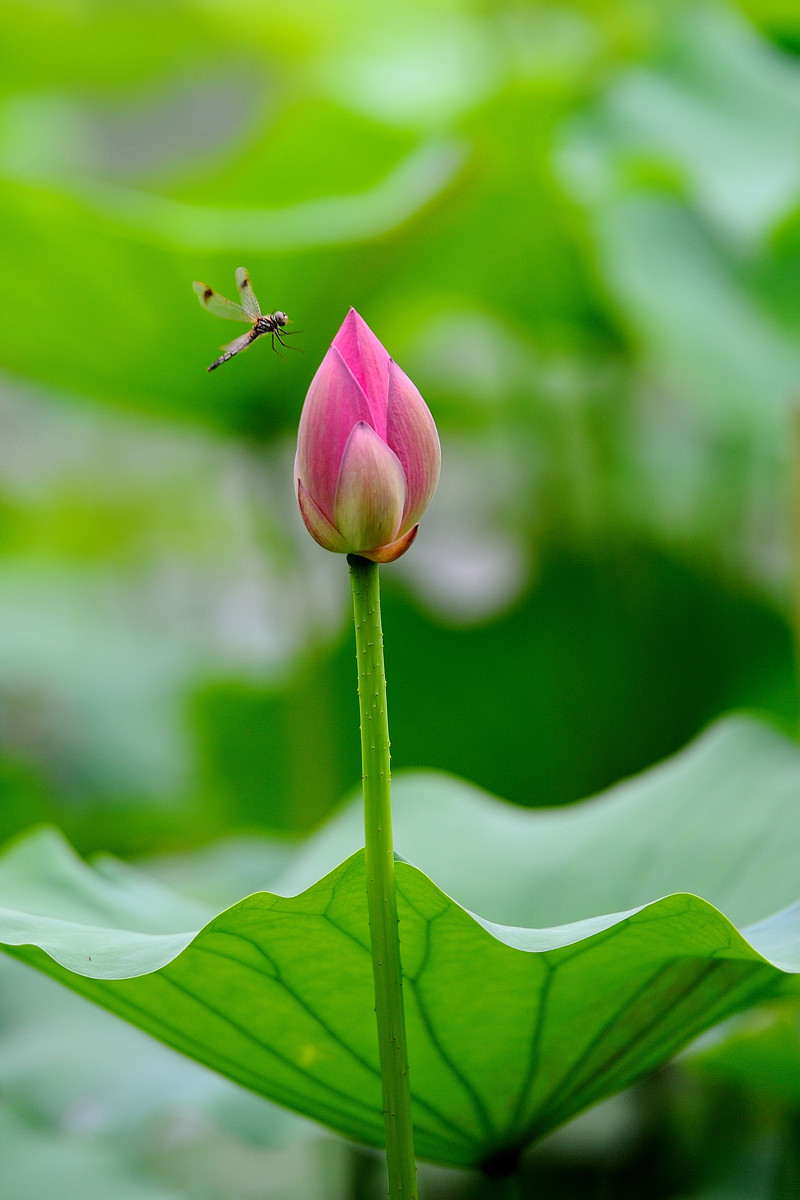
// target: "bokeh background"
[[577, 227]]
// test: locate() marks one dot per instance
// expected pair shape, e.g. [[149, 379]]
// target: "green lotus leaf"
[[511, 1029]]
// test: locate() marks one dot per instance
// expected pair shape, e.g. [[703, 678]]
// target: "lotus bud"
[[368, 453]]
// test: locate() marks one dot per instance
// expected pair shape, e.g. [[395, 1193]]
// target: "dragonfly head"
[[280, 318]]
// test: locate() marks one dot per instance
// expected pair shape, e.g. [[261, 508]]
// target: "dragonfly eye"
[[281, 318]]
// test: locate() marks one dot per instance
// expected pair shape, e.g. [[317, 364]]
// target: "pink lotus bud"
[[368, 453]]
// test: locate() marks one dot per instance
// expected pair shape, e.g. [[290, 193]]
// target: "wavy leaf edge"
[[149, 952]]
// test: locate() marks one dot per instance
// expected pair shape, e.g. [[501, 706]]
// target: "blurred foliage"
[[576, 225], [601, 673]]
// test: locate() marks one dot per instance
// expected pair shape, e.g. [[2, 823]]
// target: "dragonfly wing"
[[240, 343], [218, 305], [246, 293], [234, 347]]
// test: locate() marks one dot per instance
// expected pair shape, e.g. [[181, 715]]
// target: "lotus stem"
[[381, 894]]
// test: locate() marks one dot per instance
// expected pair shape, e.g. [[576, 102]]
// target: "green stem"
[[381, 895]]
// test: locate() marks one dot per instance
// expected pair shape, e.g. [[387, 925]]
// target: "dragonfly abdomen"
[[236, 347]]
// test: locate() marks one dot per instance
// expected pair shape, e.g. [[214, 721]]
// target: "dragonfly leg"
[[280, 334]]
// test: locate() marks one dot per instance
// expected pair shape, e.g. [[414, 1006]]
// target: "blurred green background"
[[575, 225]]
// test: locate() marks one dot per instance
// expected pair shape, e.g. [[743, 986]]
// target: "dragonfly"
[[249, 310]]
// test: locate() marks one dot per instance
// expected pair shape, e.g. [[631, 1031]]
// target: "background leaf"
[[511, 1030]]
